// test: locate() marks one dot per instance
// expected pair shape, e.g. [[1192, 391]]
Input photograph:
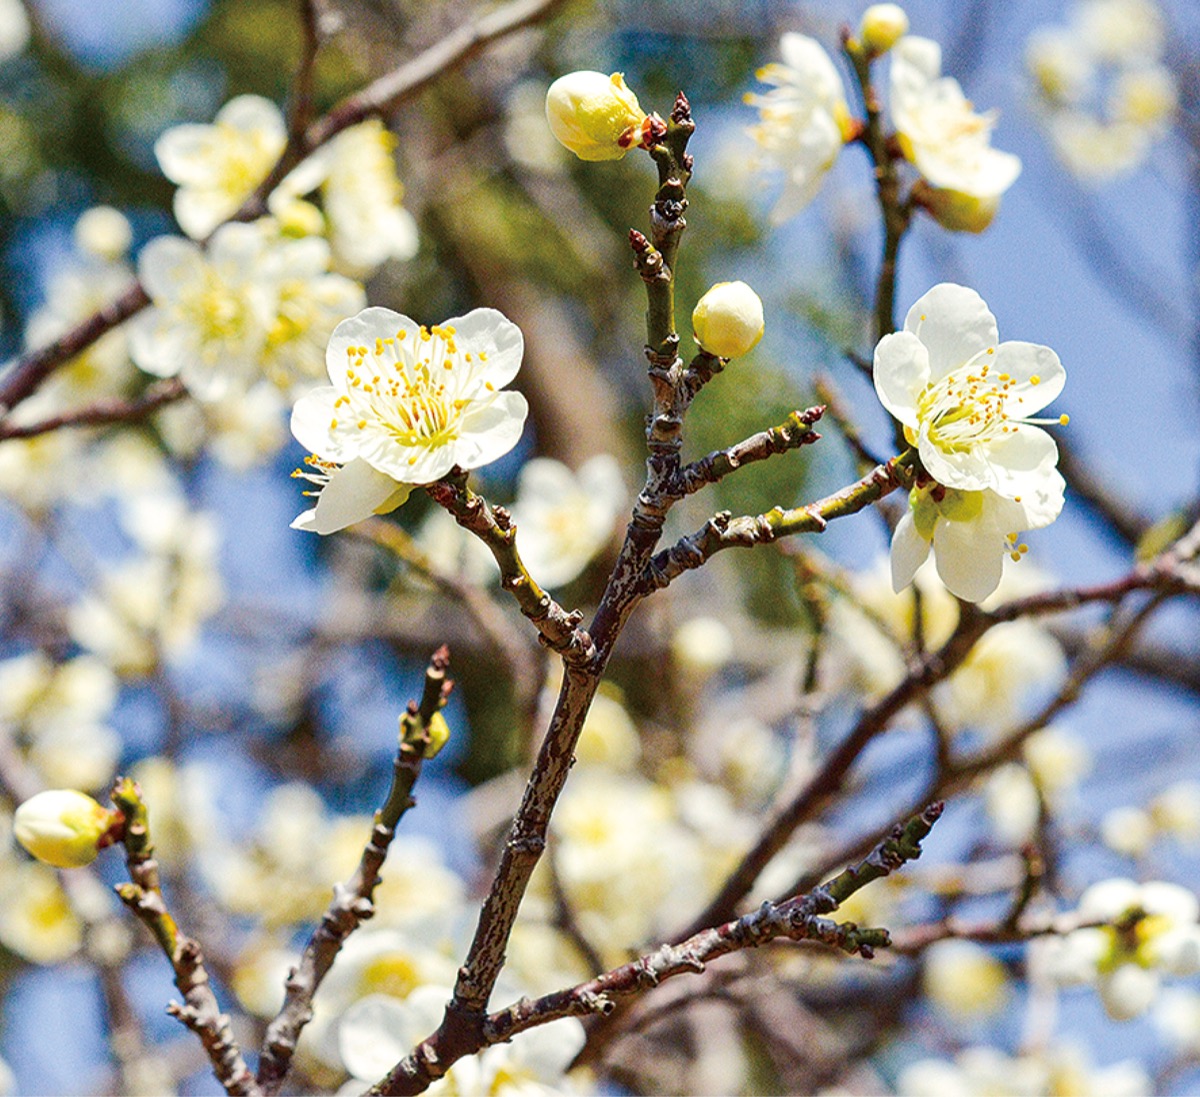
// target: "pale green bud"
[[62, 827], [728, 320], [595, 116], [882, 26]]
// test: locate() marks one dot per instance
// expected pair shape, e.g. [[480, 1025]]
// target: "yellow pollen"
[[483, 355], [401, 334], [361, 424], [378, 346], [991, 350], [1034, 379], [922, 316], [489, 386], [1022, 549], [1063, 420], [1014, 556], [333, 424], [340, 401], [1016, 498]]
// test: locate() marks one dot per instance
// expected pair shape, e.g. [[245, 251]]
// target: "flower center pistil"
[[410, 387]]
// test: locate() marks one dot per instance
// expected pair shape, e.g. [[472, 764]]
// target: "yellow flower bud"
[[882, 26], [955, 209], [596, 116], [728, 320], [62, 827]]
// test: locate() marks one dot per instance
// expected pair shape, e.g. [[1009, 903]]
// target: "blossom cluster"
[[805, 120], [1103, 91]]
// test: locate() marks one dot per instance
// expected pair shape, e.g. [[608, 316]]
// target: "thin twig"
[[353, 901], [143, 896], [102, 412]]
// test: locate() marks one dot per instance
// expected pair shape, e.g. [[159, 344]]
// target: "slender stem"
[[102, 412], [200, 1010], [353, 901]]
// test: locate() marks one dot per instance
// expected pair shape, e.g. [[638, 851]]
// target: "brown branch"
[[379, 97], [353, 901], [557, 629], [795, 432], [723, 531], [802, 918], [102, 412], [143, 896]]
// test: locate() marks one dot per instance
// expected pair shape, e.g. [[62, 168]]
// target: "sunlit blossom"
[[212, 310], [945, 139], [407, 404], [564, 518], [965, 398]]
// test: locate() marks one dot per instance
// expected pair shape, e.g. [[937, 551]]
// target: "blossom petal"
[[901, 372], [490, 332], [310, 424], [253, 114], [354, 492], [1023, 362], [1024, 453], [157, 344], [183, 154], [916, 61], [372, 1035], [964, 470], [167, 262], [1040, 503], [969, 561], [491, 431], [909, 552], [362, 331], [954, 324]]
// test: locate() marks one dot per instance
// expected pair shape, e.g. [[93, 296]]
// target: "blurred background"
[[159, 617]]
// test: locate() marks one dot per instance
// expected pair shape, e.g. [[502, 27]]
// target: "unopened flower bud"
[[882, 26], [955, 209], [103, 232], [595, 116], [62, 827], [728, 320]]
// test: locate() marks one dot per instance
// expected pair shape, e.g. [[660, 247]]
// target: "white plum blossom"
[[1102, 88], [965, 398], [212, 310], [355, 175], [311, 302], [14, 28], [565, 518], [970, 533], [942, 136], [217, 166], [803, 120], [1152, 930], [407, 404], [963, 979], [1058, 1068]]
